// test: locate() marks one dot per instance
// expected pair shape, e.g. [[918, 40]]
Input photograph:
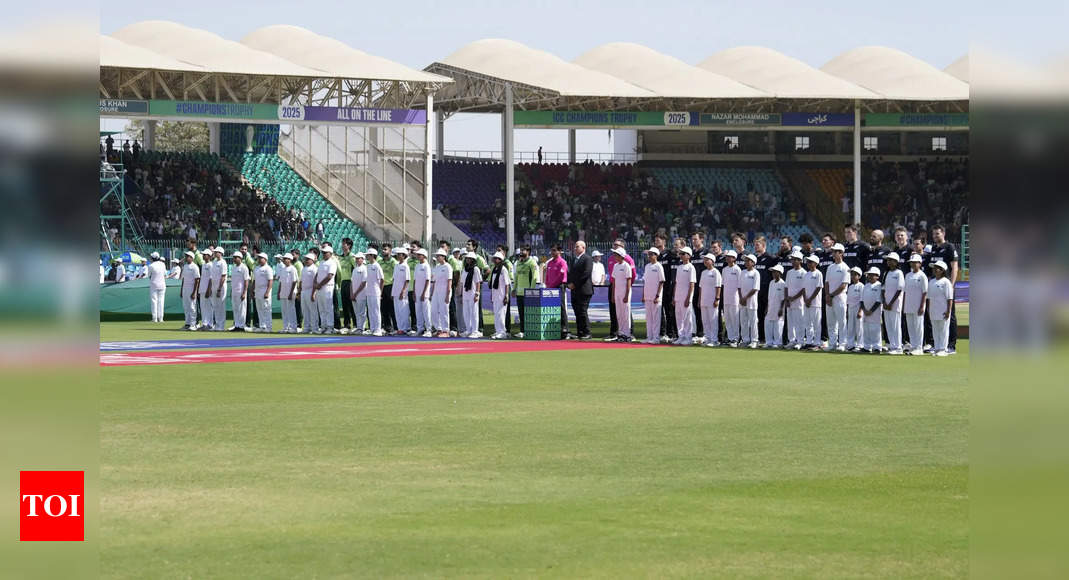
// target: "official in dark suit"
[[582, 289]]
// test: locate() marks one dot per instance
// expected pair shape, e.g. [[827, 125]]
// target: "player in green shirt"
[[346, 263], [387, 262], [527, 276]]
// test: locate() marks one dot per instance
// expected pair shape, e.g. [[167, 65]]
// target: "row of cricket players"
[[312, 290], [859, 306]]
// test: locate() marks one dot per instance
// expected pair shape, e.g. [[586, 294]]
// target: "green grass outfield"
[[643, 462]]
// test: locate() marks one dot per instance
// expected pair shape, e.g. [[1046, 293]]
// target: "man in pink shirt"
[[556, 276]]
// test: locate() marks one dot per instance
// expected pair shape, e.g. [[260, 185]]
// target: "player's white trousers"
[[207, 312], [812, 325], [773, 331], [310, 311], [471, 310], [155, 300], [219, 306], [684, 322], [359, 312], [239, 307], [501, 306], [653, 321], [795, 326], [289, 314], [623, 315], [458, 301], [731, 322], [940, 333], [915, 326], [325, 303], [837, 323], [439, 313], [872, 334], [853, 329], [710, 323], [374, 312], [400, 306], [892, 322], [189, 307], [423, 314], [263, 312], [748, 325]]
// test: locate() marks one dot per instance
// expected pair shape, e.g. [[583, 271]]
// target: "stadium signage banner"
[[123, 107], [917, 120], [197, 109], [819, 119], [351, 115], [607, 119], [740, 119]]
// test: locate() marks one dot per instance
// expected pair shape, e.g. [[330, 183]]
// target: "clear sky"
[[418, 32]]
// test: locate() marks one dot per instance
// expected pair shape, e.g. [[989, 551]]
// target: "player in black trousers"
[[697, 244], [824, 253], [669, 261], [765, 261], [945, 251]]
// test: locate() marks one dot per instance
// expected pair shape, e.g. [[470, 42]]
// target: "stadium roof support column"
[[439, 134], [857, 161], [510, 168], [428, 173], [148, 140], [571, 146]]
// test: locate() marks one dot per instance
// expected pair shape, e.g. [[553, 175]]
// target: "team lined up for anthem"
[[844, 297]]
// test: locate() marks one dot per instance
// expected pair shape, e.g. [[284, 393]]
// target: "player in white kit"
[[471, 279], [853, 311], [795, 302], [421, 278], [219, 277], [373, 292], [710, 282], [309, 309], [732, 275], [262, 279], [940, 301], [777, 306], [402, 279], [239, 285], [621, 284], [814, 302], [157, 286], [323, 291], [357, 294], [893, 284], [914, 302], [836, 280], [871, 298], [190, 289], [500, 287], [686, 279], [287, 293], [749, 285], [207, 271], [653, 295], [441, 293]]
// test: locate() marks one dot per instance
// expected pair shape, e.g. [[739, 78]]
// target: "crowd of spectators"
[[194, 195], [916, 195], [558, 204]]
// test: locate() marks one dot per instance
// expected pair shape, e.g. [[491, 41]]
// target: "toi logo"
[[52, 506]]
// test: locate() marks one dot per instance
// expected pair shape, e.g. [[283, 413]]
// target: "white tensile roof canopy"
[[781, 75], [664, 75], [896, 75]]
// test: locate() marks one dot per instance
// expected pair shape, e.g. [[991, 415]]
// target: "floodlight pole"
[[510, 182], [857, 161], [428, 172]]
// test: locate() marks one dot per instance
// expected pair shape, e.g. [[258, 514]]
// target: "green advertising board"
[[917, 120], [589, 118], [233, 111]]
